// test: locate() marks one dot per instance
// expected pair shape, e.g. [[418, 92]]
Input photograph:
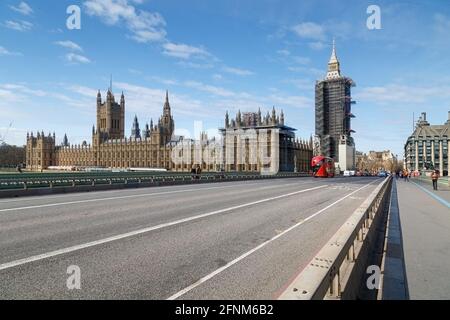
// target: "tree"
[[11, 156]]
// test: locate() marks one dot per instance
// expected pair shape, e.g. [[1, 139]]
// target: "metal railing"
[[54, 180], [336, 272]]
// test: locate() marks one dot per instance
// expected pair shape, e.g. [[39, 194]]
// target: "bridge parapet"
[[338, 270]]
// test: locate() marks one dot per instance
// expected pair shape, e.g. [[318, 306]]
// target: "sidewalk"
[[424, 224], [443, 185]]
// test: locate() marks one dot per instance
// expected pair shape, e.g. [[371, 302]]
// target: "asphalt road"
[[232, 240]]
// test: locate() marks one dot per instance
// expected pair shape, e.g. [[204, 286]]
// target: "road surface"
[[231, 240]]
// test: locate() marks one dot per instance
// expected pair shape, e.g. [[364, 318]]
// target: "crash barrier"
[[34, 184], [338, 270]]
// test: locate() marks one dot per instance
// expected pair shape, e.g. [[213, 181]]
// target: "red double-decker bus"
[[322, 167]]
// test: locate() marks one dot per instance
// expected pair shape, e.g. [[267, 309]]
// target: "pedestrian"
[[434, 178], [405, 175]]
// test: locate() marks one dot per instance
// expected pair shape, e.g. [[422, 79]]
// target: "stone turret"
[[135, 130]]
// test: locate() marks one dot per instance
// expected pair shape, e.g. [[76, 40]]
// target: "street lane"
[[159, 263], [44, 229]]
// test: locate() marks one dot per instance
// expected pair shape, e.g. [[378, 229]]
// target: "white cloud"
[[302, 84], [84, 91], [148, 102], [284, 52], [145, 26], [301, 60], [194, 65], [441, 23], [184, 51], [8, 95], [18, 25], [237, 71], [15, 136], [209, 88], [76, 58], [309, 30], [69, 45], [19, 88], [311, 71], [169, 82], [401, 94], [23, 8], [6, 52], [317, 45], [291, 101], [134, 71], [11, 92], [144, 36]]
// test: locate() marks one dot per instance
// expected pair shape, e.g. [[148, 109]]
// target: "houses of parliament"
[[155, 145]]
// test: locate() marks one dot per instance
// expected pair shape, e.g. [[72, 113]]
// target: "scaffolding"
[[333, 113]]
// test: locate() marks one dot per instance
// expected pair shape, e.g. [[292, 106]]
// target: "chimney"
[[424, 116]]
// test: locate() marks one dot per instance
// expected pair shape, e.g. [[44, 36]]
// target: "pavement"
[[233, 240], [424, 221]]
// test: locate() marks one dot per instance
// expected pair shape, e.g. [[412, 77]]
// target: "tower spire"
[[333, 53], [334, 70], [166, 108]]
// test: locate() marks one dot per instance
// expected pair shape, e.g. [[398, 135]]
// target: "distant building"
[[110, 147], [427, 147], [333, 115], [385, 155], [376, 160], [253, 142], [156, 146]]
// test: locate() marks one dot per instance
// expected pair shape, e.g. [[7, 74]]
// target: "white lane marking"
[[145, 230], [229, 264], [124, 197]]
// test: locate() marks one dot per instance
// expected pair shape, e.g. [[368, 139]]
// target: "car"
[[382, 174]]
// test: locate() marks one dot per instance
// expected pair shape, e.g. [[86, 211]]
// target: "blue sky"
[[215, 56]]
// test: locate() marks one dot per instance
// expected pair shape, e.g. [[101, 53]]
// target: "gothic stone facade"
[[156, 146], [109, 147], [245, 136]]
